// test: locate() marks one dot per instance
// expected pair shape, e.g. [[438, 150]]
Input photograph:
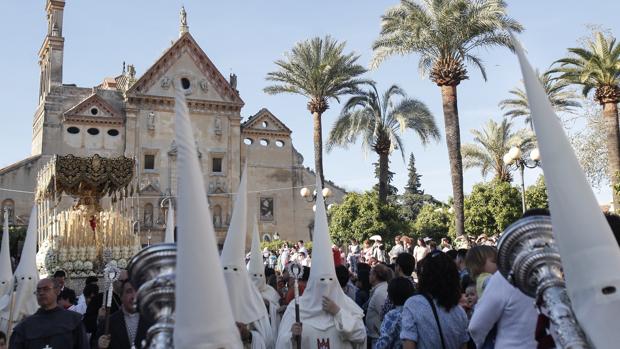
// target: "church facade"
[[133, 115]]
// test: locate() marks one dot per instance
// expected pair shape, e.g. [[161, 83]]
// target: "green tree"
[[319, 70], [380, 120], [433, 221], [360, 216], [491, 144], [597, 67], [536, 195], [491, 207], [447, 35], [561, 99], [414, 198]]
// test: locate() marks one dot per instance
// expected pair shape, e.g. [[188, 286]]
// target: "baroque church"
[[132, 115]]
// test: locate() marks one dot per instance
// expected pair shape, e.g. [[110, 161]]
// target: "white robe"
[[272, 298], [348, 332], [261, 335]]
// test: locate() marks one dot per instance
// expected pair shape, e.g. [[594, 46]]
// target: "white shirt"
[[513, 312], [378, 295]]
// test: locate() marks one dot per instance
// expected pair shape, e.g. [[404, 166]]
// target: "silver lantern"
[[153, 272], [528, 258]]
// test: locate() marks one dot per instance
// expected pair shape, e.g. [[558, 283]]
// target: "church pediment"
[[264, 122], [94, 109], [186, 63]]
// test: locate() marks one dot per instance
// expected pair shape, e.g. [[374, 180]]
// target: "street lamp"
[[311, 197], [514, 158]]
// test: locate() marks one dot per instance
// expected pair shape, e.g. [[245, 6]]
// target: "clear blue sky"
[[245, 37]]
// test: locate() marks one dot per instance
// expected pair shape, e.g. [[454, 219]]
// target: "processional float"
[[84, 237]]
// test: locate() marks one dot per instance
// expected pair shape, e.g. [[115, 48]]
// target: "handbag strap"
[[432, 303]]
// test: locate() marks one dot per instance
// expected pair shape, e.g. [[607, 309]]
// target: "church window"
[[94, 111], [73, 130], [266, 238], [217, 165], [93, 131], [279, 143], [264, 142], [248, 141], [113, 132], [265, 124], [149, 161], [185, 83]]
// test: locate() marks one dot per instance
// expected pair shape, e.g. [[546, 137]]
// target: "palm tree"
[[380, 121], [597, 67], [319, 70], [561, 99], [491, 144], [446, 34]]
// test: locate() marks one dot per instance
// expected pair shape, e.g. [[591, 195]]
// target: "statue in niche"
[[165, 82], [148, 215], [204, 85], [150, 121], [217, 216], [218, 126]]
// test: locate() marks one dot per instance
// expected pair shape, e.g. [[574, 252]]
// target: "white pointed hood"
[[256, 267], [590, 254], [323, 280], [203, 318], [246, 301], [6, 273], [169, 236], [27, 274]]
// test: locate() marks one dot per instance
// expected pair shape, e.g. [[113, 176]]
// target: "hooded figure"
[[6, 273], [203, 316], [245, 299], [256, 269], [590, 254], [329, 318], [27, 277]]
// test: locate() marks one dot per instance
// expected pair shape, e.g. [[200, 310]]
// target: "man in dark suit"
[[127, 327], [60, 276]]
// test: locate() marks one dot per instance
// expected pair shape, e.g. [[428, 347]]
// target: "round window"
[[265, 124], [264, 142], [248, 141], [73, 130], [94, 111], [113, 132], [279, 143], [93, 131], [185, 84]]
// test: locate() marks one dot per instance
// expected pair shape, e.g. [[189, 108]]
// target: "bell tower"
[[50, 82], [51, 52]]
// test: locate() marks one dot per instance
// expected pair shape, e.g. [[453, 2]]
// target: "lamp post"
[[311, 196], [514, 158]]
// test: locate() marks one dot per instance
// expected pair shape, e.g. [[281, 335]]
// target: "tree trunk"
[[453, 139], [318, 146], [383, 177], [610, 114]]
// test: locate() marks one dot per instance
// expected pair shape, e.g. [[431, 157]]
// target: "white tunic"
[[348, 332]]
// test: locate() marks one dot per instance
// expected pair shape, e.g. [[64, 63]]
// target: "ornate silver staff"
[[528, 258], [296, 271], [153, 272], [111, 273]]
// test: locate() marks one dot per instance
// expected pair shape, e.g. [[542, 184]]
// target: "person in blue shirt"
[[399, 290]]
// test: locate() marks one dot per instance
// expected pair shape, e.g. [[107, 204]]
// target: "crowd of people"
[[427, 296]]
